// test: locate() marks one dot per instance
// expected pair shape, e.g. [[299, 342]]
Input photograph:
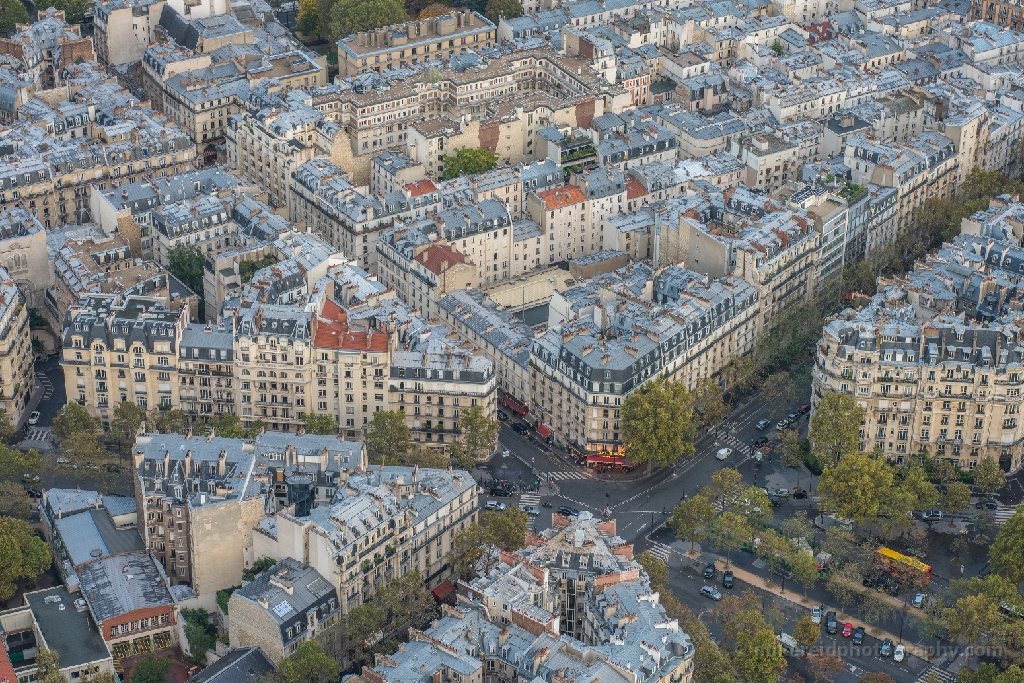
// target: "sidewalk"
[[797, 598]]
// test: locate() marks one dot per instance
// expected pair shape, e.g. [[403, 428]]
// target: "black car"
[[799, 494], [727, 579], [520, 429], [709, 571], [858, 636], [831, 623], [867, 582], [894, 589], [567, 511], [886, 649], [501, 491], [986, 505], [792, 417], [501, 415], [761, 441], [775, 500], [880, 583]]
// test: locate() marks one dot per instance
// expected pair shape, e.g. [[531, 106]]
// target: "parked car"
[[805, 407], [858, 636], [792, 417], [886, 649], [531, 510], [782, 424], [847, 630], [727, 579], [781, 493], [799, 494], [986, 505], [62, 461], [894, 588], [880, 582], [710, 592], [761, 442], [501, 491], [33, 419], [723, 453], [520, 429], [816, 614], [709, 571], [931, 514], [501, 415], [831, 623], [867, 582], [568, 511], [774, 500], [764, 424], [494, 505], [918, 601], [900, 653]]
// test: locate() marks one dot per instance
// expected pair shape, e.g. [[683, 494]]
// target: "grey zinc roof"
[[506, 333], [119, 584], [66, 629], [243, 665]]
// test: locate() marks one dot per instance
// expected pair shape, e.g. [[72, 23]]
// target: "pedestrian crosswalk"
[[660, 551], [47, 385], [940, 675], [530, 499], [37, 435], [1003, 514], [559, 476]]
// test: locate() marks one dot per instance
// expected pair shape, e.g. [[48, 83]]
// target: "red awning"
[[544, 430], [606, 459], [444, 591], [514, 405]]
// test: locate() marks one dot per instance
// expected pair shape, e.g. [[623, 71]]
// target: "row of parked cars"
[[787, 421], [887, 648]]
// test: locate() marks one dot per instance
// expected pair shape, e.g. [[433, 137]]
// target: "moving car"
[[727, 579], [501, 491], [886, 649], [774, 500], [799, 494], [986, 505], [900, 653], [847, 630], [858, 636], [761, 442], [531, 510], [33, 419], [816, 614], [501, 415], [520, 429], [723, 453], [567, 511], [764, 424], [831, 623], [781, 493], [709, 571], [494, 505], [710, 592]]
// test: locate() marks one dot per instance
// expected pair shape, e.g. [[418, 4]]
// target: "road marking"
[[943, 675], [660, 551], [530, 499], [557, 476]]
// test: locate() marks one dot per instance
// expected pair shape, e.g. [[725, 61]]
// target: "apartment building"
[[382, 524], [770, 160], [268, 147], [124, 28], [206, 371], [118, 349], [564, 217], [415, 42], [17, 378], [422, 270], [23, 253], [930, 380]]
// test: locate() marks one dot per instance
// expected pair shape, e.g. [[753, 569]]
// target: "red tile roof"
[[438, 258], [332, 332], [7, 674], [634, 189], [562, 196], [421, 187]]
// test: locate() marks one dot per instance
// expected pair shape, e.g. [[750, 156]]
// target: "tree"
[[972, 617], [469, 161], [309, 664], [842, 545], [855, 487], [692, 518], [186, 262], [709, 405], [353, 16], [84, 448], [957, 497], [73, 419], [657, 423], [842, 585], [150, 670], [387, 440], [505, 529], [804, 568], [806, 631], [947, 472], [825, 665], [6, 428], [775, 549], [1008, 548], [758, 657], [731, 531], [308, 21], [48, 666], [797, 526], [22, 555], [479, 432], [726, 485], [460, 457], [777, 48], [878, 677], [426, 457], [12, 12], [835, 428], [14, 464], [467, 548], [200, 632], [503, 9], [14, 501], [657, 571], [172, 421], [434, 9], [128, 417], [74, 10], [777, 392], [989, 476], [742, 373], [315, 423]]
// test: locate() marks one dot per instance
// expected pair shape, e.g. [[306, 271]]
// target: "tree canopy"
[[309, 664], [506, 529], [469, 161], [150, 670], [12, 12], [855, 487], [315, 423], [186, 262], [74, 10], [73, 419], [691, 519], [657, 423], [387, 440], [497, 10], [835, 428], [1007, 549], [479, 432], [352, 16]]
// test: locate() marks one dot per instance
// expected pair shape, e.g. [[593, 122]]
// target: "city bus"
[[905, 568]]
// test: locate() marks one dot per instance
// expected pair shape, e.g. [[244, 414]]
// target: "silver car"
[[710, 592], [816, 613]]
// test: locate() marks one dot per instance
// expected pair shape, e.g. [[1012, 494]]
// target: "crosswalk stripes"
[[47, 385], [1003, 514], [559, 476], [943, 675], [660, 551], [530, 499], [37, 435]]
